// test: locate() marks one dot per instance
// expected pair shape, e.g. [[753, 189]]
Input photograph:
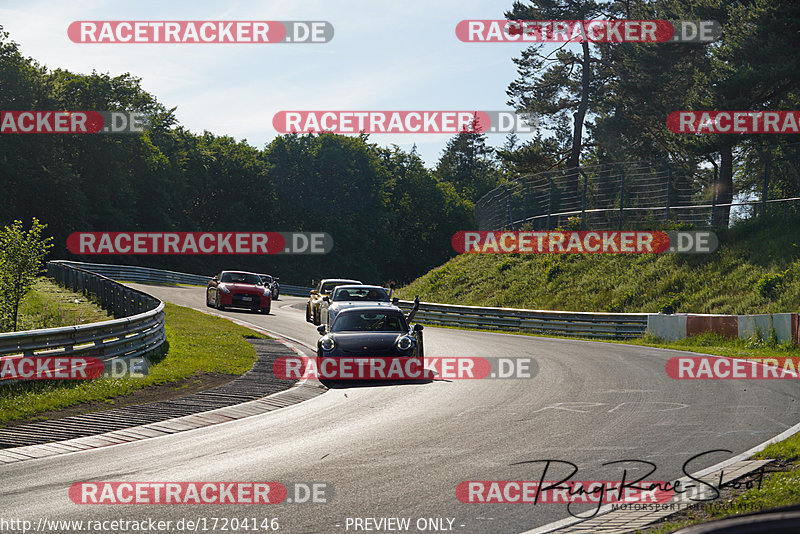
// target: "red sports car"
[[237, 289]]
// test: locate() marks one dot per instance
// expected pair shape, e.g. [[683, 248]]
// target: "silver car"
[[349, 296]]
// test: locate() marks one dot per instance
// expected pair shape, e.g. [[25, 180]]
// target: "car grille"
[[374, 352], [238, 298]]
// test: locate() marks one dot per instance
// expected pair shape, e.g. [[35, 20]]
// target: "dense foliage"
[[389, 216]]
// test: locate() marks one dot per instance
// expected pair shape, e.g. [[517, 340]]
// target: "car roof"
[[373, 307], [358, 286], [328, 280], [239, 272]]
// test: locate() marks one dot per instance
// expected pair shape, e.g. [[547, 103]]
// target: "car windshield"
[[328, 287], [369, 321], [240, 278], [267, 279], [373, 294]]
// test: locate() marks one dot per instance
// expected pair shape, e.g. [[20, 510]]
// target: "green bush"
[[769, 284], [670, 303]]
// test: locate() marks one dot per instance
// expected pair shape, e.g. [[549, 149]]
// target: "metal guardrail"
[[295, 291], [133, 273], [583, 324], [138, 329]]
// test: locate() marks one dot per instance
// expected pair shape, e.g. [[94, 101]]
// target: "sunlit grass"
[[197, 343]]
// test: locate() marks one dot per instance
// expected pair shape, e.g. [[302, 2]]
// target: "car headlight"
[[404, 343], [223, 288], [327, 343]]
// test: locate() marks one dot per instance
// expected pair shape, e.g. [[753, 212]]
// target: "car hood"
[[375, 342], [244, 288]]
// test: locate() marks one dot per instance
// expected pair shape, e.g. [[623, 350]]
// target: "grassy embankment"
[[755, 270]]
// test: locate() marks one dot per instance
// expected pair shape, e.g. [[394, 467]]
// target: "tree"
[[467, 164], [559, 84], [752, 68], [21, 256]]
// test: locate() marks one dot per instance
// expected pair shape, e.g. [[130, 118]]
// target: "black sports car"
[[271, 282], [371, 333]]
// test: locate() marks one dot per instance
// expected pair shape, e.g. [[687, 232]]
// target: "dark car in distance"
[[272, 283], [238, 289]]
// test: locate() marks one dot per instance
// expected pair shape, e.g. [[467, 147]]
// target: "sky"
[[383, 56]]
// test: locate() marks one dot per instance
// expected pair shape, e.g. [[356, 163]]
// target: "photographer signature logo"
[[626, 489]]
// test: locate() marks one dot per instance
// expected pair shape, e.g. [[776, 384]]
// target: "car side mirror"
[[418, 327], [314, 292], [326, 298], [321, 329], [395, 300], [215, 279]]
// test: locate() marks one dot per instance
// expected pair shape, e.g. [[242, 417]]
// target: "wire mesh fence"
[[644, 194]]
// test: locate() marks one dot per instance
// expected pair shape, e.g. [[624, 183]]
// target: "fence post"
[[669, 189], [583, 203], [525, 202], [550, 202], [765, 185], [621, 196], [714, 195]]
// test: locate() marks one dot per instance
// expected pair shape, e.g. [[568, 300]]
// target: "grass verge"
[[196, 343], [48, 305]]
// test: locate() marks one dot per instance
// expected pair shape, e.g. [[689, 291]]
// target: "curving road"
[[401, 450]]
